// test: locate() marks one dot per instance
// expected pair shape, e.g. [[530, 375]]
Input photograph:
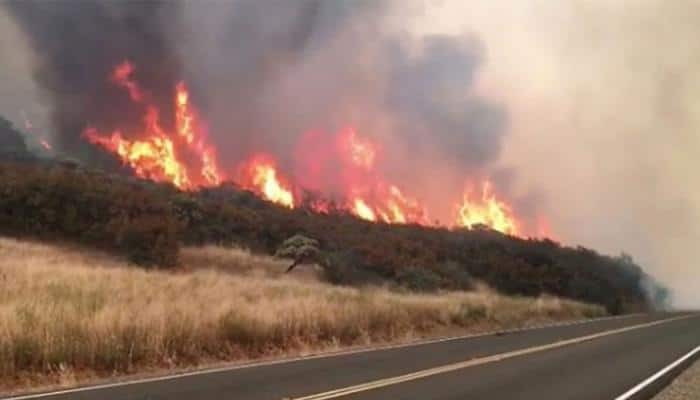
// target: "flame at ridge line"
[[154, 153], [349, 161], [487, 210]]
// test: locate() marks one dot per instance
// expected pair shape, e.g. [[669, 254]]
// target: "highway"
[[602, 359]]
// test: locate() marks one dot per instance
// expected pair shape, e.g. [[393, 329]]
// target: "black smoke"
[[263, 72], [77, 44]]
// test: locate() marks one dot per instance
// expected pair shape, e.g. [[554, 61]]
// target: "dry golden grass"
[[67, 312]]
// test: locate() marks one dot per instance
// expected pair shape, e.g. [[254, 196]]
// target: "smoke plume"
[[21, 101], [603, 101], [76, 46], [264, 73]]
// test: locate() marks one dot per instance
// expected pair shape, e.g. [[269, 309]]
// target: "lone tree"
[[299, 248]]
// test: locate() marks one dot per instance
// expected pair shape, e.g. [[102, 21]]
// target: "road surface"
[[593, 360]]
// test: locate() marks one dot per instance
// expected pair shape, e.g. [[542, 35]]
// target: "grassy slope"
[[72, 314]]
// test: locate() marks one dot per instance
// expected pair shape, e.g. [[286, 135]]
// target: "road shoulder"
[[685, 387]]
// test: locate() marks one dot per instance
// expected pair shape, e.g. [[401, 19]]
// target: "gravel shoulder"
[[685, 387]]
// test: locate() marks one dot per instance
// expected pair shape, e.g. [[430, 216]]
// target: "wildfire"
[[361, 152], [260, 174], [487, 210], [390, 206], [185, 124], [344, 165], [153, 158], [156, 154], [362, 210], [183, 115]]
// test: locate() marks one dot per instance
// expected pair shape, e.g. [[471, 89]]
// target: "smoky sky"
[[602, 99], [264, 72], [77, 44], [429, 94]]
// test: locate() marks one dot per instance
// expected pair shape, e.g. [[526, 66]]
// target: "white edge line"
[[308, 357], [343, 392], [628, 395]]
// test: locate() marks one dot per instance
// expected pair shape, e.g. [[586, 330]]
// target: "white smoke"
[[20, 98], [604, 101]]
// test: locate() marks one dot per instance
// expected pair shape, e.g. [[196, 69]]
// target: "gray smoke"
[[20, 101], [77, 44], [264, 72], [603, 101]]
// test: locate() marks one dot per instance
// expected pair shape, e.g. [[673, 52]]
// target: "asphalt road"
[[599, 368]]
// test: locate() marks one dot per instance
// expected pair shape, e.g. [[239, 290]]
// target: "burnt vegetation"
[[147, 222]]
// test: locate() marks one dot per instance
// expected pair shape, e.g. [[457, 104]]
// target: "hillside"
[[47, 198], [71, 314], [148, 222]]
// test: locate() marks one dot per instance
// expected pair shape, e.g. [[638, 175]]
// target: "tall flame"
[[183, 115], [362, 210], [260, 174], [486, 210], [186, 126], [345, 165], [153, 158], [156, 154]]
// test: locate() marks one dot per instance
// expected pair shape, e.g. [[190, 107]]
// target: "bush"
[[299, 248], [144, 221], [57, 203], [345, 268], [419, 279], [455, 277], [149, 240]]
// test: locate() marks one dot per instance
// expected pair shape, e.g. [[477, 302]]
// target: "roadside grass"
[[70, 314]]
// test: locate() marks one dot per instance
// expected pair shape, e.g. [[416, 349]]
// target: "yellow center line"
[[479, 361]]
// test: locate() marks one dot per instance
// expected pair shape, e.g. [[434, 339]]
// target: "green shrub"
[[299, 247]]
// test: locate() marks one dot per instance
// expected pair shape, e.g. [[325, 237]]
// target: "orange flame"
[[362, 210], [345, 164], [260, 174], [362, 152], [487, 210], [185, 124], [153, 158], [183, 115], [122, 77], [156, 154], [390, 206]]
